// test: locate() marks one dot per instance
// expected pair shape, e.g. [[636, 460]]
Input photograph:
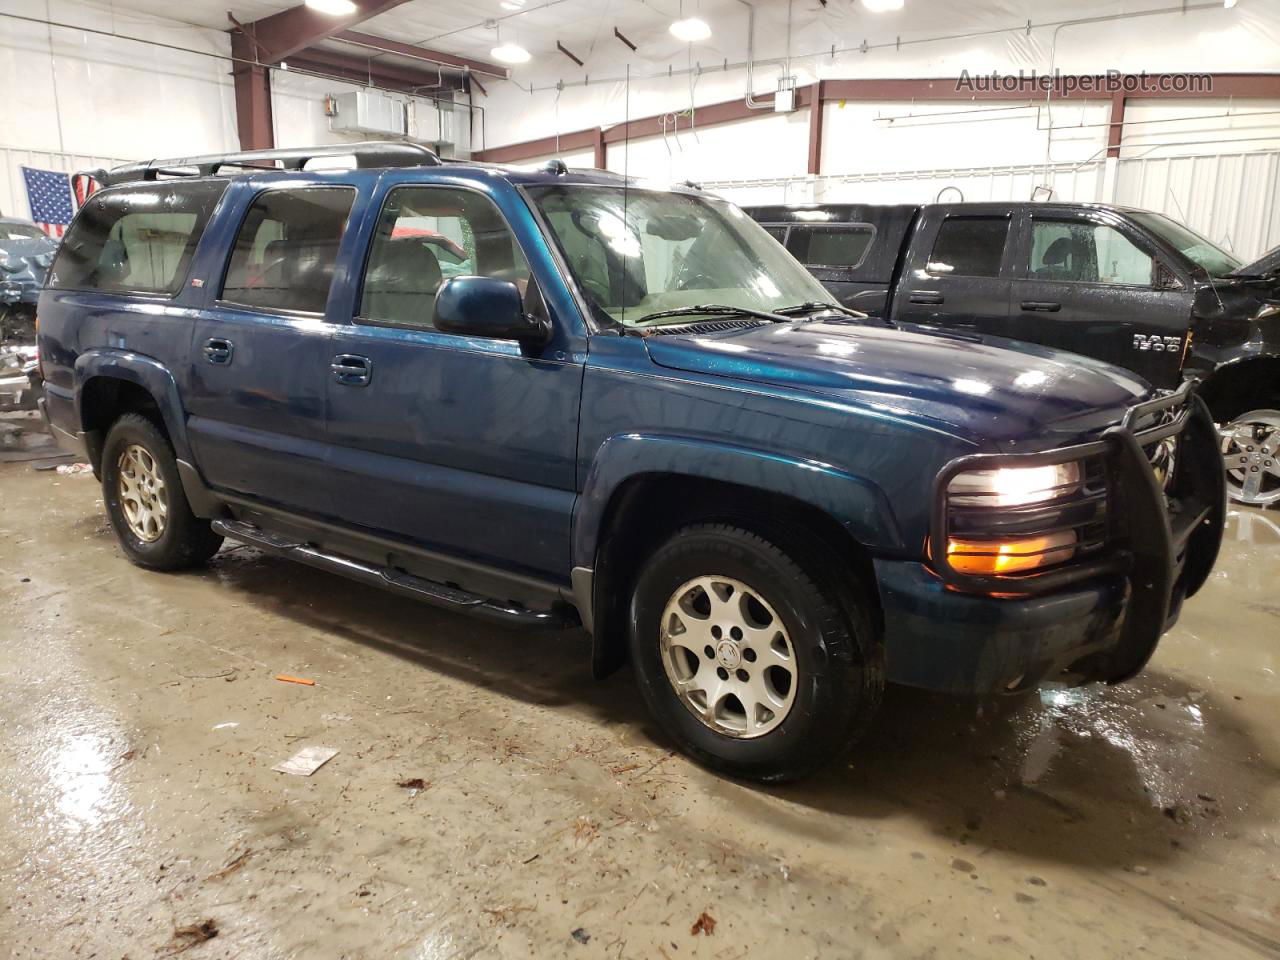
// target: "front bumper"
[[1099, 619], [940, 639]]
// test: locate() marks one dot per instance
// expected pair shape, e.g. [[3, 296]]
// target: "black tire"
[[838, 653], [186, 540]]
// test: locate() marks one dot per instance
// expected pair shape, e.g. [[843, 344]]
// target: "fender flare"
[[854, 502], [146, 372]]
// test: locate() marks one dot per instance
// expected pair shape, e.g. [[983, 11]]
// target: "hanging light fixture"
[[689, 30], [507, 52], [334, 8]]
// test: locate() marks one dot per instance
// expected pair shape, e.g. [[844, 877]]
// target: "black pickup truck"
[[1131, 287]]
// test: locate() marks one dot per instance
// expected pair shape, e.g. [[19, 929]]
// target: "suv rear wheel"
[[145, 501], [745, 661]]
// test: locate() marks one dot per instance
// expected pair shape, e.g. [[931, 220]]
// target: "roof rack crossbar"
[[370, 153]]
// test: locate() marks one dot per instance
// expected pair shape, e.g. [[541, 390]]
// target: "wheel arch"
[[1246, 383], [627, 519], [113, 382]]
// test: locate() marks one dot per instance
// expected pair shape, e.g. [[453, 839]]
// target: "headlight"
[[978, 543], [1014, 486]]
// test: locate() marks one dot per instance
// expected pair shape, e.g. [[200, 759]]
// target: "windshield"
[[635, 253], [1204, 253]]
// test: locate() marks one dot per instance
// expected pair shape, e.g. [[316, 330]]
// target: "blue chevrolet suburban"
[[638, 414]]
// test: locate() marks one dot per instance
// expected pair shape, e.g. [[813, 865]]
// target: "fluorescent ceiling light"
[[1228, 3], [881, 6], [510, 53], [512, 4], [334, 8], [691, 30]]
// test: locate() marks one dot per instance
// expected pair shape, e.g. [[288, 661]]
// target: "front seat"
[[402, 283], [1056, 262]]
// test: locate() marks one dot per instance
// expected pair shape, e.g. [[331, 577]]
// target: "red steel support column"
[[601, 154], [815, 130], [1115, 132], [253, 96]]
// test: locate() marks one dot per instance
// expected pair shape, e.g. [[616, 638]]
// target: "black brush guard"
[[1163, 541]]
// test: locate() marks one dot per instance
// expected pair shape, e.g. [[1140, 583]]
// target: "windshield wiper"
[[713, 310], [813, 306]]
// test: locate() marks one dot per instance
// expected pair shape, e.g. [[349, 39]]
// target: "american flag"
[[55, 196]]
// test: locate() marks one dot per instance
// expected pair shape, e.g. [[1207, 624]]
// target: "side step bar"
[[397, 581]]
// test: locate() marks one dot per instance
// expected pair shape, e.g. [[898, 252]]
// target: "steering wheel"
[[697, 281]]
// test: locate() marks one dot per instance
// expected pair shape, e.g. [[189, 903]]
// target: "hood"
[[1268, 263], [24, 261], [986, 390]]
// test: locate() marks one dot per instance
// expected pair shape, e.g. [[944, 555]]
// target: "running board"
[[394, 580]]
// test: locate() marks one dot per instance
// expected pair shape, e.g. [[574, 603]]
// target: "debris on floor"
[[306, 761], [581, 935], [415, 784], [74, 469], [705, 924], [193, 934], [285, 678]]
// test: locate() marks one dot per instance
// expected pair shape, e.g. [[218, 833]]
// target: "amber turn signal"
[[985, 558]]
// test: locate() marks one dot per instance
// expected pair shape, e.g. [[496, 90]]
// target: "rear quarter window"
[[136, 240], [844, 246]]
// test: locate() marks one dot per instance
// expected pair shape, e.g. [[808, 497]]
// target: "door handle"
[[1044, 306], [219, 351], [926, 296], [351, 370]]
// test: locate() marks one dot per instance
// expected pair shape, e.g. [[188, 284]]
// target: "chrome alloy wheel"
[[142, 493], [1251, 451], [728, 656]]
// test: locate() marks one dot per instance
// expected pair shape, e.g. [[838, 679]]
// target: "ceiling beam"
[[283, 34], [1134, 86], [360, 70], [433, 57]]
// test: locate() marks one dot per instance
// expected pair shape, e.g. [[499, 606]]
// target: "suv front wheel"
[[145, 501], [745, 661]]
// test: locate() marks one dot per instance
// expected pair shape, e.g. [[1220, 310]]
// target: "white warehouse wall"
[[1207, 37], [76, 99]]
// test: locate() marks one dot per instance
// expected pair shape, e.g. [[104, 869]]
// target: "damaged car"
[[26, 253]]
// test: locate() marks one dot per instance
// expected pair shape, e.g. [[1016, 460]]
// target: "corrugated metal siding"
[[13, 192], [1230, 198]]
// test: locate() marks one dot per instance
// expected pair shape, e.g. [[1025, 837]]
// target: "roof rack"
[[371, 153]]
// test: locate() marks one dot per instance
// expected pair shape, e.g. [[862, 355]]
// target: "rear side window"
[[831, 246], [136, 240], [287, 249], [969, 247]]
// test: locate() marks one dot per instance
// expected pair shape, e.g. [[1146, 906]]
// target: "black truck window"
[[845, 245], [287, 249], [1084, 252], [137, 239], [969, 247]]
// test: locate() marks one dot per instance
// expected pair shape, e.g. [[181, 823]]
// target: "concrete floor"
[[141, 719]]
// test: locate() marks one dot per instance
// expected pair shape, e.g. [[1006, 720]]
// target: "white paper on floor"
[[306, 761]]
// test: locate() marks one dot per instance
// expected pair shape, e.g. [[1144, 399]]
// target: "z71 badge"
[[1143, 341]]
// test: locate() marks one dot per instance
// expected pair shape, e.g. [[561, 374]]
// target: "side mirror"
[[485, 307]]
